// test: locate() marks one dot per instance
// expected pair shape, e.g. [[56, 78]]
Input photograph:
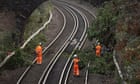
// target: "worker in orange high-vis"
[[76, 71], [39, 54], [98, 50]]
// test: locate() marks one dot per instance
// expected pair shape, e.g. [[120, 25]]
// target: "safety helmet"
[[75, 55], [40, 43], [98, 43]]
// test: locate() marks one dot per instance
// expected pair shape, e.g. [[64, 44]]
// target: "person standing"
[[76, 71], [98, 50], [39, 53]]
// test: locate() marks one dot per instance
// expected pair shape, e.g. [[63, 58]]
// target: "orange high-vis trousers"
[[39, 60], [98, 53], [76, 70]]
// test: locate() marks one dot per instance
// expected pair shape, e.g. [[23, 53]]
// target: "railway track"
[[49, 68], [56, 67], [25, 78], [44, 51], [71, 80], [48, 54]]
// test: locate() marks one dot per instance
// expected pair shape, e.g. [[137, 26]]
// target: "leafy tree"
[[103, 28]]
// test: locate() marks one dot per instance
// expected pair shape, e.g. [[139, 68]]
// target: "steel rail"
[[51, 67], [59, 32], [56, 57], [86, 77], [60, 81], [26, 42], [75, 48], [79, 46], [68, 40], [114, 59], [28, 68], [118, 68], [62, 74], [60, 49], [61, 77], [87, 73], [69, 3]]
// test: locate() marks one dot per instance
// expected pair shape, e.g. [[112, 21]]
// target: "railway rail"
[[29, 67], [53, 72], [23, 79], [49, 49], [90, 17], [57, 56], [55, 65]]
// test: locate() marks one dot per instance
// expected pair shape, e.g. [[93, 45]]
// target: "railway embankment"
[[13, 17]]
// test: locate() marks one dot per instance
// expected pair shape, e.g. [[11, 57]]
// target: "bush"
[[18, 60], [103, 65], [103, 28]]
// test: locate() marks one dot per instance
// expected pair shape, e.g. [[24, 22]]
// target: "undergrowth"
[[101, 65], [117, 26], [25, 56]]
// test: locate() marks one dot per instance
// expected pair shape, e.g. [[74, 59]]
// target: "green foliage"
[[18, 60], [24, 57], [104, 26], [8, 43], [39, 38], [117, 23], [86, 55], [81, 64], [103, 65], [37, 19]]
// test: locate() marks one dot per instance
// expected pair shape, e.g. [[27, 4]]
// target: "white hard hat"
[[75, 55], [40, 43]]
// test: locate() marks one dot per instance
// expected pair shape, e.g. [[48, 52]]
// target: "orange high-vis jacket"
[[39, 54], [76, 67], [98, 50]]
